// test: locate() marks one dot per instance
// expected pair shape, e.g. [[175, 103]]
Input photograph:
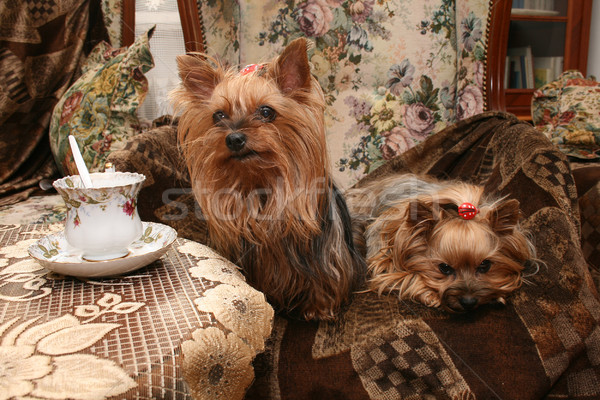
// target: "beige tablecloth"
[[185, 325]]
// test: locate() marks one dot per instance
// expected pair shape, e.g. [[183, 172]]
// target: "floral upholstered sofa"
[[393, 72]]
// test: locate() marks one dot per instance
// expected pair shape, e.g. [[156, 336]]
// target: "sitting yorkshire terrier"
[[441, 243], [254, 144]]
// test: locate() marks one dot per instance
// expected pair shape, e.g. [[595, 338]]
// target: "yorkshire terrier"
[[254, 144], [441, 243]]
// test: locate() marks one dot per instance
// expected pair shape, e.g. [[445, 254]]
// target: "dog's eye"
[[446, 269], [484, 266], [219, 116], [266, 113]]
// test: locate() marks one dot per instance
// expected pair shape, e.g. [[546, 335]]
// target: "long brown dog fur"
[[419, 247], [271, 206]]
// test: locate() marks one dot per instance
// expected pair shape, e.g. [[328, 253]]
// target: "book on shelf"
[[547, 69], [547, 5], [518, 73]]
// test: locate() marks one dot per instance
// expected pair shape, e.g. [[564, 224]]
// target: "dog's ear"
[[505, 216], [198, 75], [292, 67]]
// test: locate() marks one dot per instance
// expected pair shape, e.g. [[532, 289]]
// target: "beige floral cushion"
[[393, 71], [567, 111]]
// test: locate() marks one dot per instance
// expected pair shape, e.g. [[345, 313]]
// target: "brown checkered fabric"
[[543, 344], [42, 10], [589, 205], [406, 363]]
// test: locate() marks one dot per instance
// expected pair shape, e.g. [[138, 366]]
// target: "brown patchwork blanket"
[[545, 343]]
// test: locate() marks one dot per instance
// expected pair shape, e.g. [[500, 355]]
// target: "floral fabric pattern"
[[221, 22], [188, 317], [393, 72], [112, 12], [567, 111], [217, 363], [100, 108], [41, 360], [35, 210]]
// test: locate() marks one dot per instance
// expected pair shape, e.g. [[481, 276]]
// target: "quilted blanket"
[[545, 343]]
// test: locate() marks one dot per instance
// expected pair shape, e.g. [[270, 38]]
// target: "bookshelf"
[[532, 39]]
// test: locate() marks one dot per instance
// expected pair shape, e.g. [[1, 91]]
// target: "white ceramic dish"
[[54, 253]]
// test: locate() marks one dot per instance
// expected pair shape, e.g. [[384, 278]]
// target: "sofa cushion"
[[567, 111], [99, 109], [393, 73]]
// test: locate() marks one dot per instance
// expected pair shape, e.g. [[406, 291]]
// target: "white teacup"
[[102, 221]]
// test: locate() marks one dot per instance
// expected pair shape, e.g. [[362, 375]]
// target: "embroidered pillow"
[[568, 112], [99, 109]]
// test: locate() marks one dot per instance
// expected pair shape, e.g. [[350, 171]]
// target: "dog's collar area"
[[248, 69]]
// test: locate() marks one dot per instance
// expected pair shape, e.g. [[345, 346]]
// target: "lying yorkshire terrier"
[[441, 243], [254, 143]]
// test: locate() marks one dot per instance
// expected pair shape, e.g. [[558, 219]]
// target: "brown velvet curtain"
[[41, 45]]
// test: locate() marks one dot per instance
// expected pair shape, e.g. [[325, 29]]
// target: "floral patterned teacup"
[[102, 221]]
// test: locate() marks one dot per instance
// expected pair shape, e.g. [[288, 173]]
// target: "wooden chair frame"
[[189, 13]]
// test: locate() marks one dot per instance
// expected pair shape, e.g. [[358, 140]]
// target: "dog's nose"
[[468, 302], [235, 141]]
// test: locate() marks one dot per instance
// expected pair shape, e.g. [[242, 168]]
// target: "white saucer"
[[54, 253]]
